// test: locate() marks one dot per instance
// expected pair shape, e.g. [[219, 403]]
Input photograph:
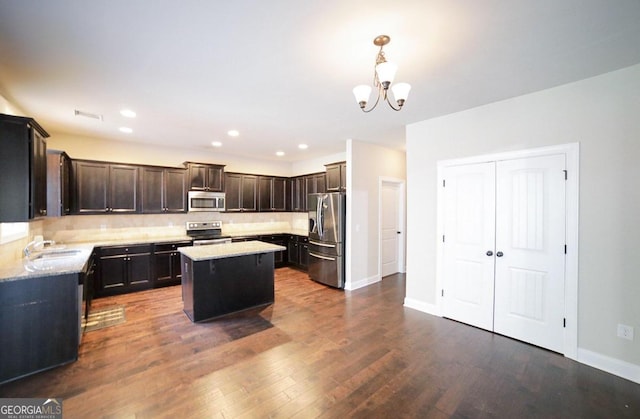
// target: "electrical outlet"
[[625, 332]]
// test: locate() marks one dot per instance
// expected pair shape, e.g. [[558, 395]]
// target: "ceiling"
[[281, 72]]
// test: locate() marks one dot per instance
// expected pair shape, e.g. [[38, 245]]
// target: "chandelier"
[[382, 79]]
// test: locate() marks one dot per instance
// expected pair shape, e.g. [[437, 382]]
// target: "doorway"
[[391, 246]]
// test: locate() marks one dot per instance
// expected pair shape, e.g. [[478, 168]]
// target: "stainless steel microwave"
[[200, 201]]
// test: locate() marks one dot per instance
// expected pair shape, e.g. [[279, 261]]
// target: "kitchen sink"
[[56, 254]]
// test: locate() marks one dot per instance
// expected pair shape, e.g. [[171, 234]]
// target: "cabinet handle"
[[499, 254], [489, 253]]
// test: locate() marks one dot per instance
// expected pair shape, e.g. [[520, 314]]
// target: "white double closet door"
[[504, 247]]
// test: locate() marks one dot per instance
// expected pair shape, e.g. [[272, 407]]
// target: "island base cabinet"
[[38, 324], [216, 287]]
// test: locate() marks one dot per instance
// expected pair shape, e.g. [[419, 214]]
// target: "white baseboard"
[[354, 285], [613, 366], [422, 306]]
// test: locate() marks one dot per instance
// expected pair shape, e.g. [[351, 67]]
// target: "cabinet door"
[[91, 180], [279, 194], [113, 273], [38, 176], [333, 178], [265, 185], [292, 251], [303, 255], [197, 177], [123, 189], [65, 180], [233, 184], [321, 183], [343, 177], [151, 190], [163, 267], [139, 270], [175, 190], [215, 178], [299, 194], [249, 188]]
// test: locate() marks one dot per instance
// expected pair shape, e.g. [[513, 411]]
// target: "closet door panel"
[[469, 231], [530, 239]]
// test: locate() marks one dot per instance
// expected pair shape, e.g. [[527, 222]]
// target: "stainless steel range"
[[206, 232]]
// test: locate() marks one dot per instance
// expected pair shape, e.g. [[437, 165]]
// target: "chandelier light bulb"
[[386, 72], [362, 93], [401, 92]]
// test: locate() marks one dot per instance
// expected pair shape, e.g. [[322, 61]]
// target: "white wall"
[[316, 165], [366, 163], [602, 114], [129, 152]]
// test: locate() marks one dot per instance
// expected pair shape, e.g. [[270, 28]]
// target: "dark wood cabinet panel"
[[175, 190], [299, 194], [206, 177], [281, 240], [39, 322], [272, 193], [58, 183], [91, 186], [249, 190], [298, 251], [167, 263], [241, 192], [335, 174], [123, 188], [314, 183], [23, 187], [123, 269], [163, 190], [101, 187]]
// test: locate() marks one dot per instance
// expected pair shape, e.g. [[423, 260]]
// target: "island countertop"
[[225, 250]]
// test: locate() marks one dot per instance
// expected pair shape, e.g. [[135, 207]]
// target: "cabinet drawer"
[[168, 247], [125, 250]]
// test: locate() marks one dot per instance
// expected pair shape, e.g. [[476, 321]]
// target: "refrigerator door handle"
[[321, 257], [322, 244], [319, 219]]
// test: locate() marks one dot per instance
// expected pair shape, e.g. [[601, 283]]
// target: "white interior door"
[[530, 239], [469, 233], [390, 228]]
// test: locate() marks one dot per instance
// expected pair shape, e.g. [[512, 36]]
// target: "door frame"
[[402, 242], [571, 152]]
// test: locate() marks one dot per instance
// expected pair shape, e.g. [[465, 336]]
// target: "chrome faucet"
[[28, 249]]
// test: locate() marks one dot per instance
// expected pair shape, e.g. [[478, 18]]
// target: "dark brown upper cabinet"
[[23, 184], [241, 192], [206, 177], [102, 187], [58, 183], [272, 193], [336, 177], [163, 190]]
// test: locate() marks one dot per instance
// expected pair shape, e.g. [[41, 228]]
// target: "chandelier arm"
[[374, 105], [391, 105]]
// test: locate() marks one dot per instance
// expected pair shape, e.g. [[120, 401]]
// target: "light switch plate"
[[625, 332]]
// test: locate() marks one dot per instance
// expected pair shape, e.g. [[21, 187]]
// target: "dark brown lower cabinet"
[[280, 239], [298, 252], [39, 322], [167, 263], [123, 269]]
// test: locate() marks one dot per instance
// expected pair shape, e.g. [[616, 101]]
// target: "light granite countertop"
[[60, 260], [220, 251], [69, 264]]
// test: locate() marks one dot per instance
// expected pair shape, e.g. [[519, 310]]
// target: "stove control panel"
[[204, 225]]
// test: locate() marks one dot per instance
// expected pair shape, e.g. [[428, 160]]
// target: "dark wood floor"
[[318, 352]]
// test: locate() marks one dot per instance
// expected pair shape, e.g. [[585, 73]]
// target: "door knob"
[[489, 253], [398, 232], [499, 254]]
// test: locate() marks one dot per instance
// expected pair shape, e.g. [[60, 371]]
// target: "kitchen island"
[[220, 279]]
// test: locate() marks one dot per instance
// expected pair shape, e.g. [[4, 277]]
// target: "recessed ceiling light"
[[216, 143], [233, 133], [126, 130], [279, 153], [128, 113], [303, 146]]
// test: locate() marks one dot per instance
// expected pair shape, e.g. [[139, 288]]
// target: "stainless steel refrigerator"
[[326, 237]]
